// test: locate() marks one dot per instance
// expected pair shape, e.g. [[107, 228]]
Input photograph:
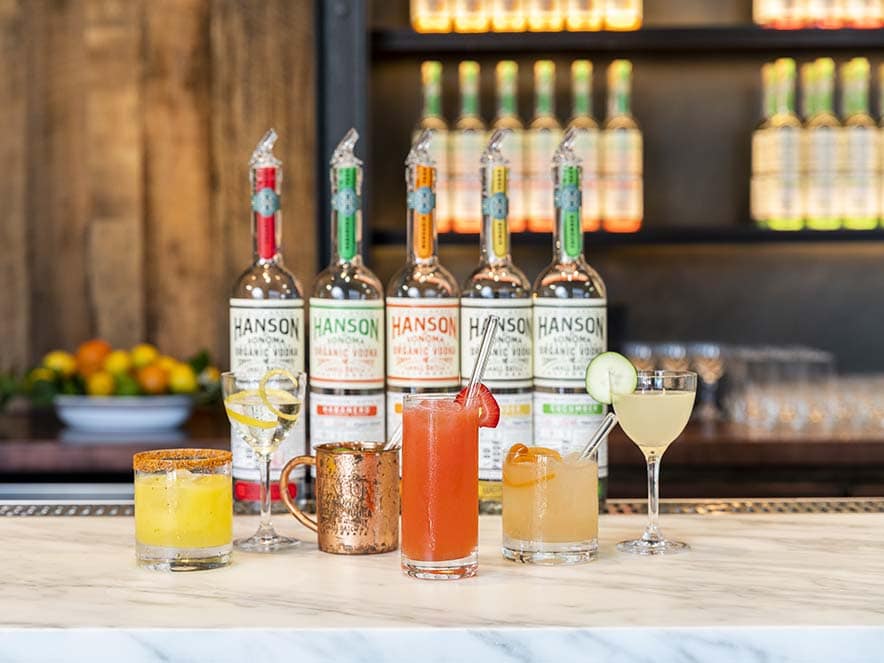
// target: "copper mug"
[[357, 497]]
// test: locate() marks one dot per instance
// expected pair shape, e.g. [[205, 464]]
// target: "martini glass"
[[263, 409], [653, 416]]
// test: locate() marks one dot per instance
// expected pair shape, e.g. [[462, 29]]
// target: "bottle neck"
[[856, 96], [266, 217], [785, 103], [619, 100], [422, 247], [346, 221], [432, 96], [568, 235], [544, 100], [825, 96], [494, 240], [506, 100], [469, 97], [582, 101]]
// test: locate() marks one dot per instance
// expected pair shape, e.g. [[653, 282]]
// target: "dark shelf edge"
[[713, 39], [664, 236]]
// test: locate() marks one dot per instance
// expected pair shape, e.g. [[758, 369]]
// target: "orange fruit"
[[91, 356], [152, 379], [100, 383]]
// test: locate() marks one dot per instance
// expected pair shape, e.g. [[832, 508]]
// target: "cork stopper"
[[167, 460]]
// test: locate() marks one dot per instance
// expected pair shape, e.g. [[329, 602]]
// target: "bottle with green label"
[[431, 118], [346, 323], [822, 200], [760, 183], [498, 287], [570, 324], [466, 143], [785, 209], [861, 163]]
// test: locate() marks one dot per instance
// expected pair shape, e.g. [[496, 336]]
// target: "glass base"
[[658, 547], [550, 554], [161, 558], [265, 542], [454, 569]]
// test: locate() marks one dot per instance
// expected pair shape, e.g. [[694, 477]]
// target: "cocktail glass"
[[183, 509], [440, 487], [653, 416], [263, 410], [550, 506]]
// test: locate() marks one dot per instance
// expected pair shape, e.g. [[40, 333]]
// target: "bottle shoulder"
[[508, 122], [469, 123], [569, 280], [583, 123], [496, 282], [622, 123], [545, 123], [268, 280], [423, 280], [432, 122], [347, 281]]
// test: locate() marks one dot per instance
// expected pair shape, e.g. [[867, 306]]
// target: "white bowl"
[[123, 414]]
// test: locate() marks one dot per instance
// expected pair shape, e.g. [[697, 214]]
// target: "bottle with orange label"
[[497, 287], [423, 316]]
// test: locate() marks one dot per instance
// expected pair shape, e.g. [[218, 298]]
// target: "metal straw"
[[604, 428]]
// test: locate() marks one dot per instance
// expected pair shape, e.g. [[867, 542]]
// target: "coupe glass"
[[263, 410], [653, 416]]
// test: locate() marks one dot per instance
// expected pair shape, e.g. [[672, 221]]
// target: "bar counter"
[[755, 586]]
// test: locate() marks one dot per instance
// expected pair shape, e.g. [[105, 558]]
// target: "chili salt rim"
[[165, 460]]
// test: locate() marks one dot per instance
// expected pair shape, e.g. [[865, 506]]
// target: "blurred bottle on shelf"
[[864, 14], [545, 15], [584, 15], [623, 15], [430, 16], [621, 166], [861, 160], [780, 14], [825, 14], [466, 144], [508, 16], [541, 140], [760, 185], [785, 210], [822, 204], [470, 15], [507, 74], [586, 143], [431, 118], [881, 139]]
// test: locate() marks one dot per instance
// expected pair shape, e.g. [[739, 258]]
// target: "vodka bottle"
[[498, 287], [584, 15], [508, 118], [785, 209], [570, 324], [423, 322], [822, 203], [466, 143], [469, 15], [508, 15], [545, 15], [544, 134], [587, 143], [860, 149], [760, 185], [623, 15], [266, 323], [430, 15], [431, 118]]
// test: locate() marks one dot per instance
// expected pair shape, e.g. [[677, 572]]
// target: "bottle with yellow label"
[[497, 287], [423, 317]]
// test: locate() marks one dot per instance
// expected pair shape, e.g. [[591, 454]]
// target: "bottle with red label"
[[266, 323], [423, 312]]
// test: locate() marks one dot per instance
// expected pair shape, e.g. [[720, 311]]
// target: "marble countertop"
[[754, 587]]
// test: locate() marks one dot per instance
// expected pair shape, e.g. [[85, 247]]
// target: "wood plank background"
[[125, 131]]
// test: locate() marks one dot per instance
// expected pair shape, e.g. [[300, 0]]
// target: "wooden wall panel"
[[14, 297], [262, 77]]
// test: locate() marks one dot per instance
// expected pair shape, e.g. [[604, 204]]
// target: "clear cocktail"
[[440, 496], [550, 506]]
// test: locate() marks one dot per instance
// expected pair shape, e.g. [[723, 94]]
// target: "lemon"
[[281, 395], [182, 379], [243, 398], [63, 363], [118, 362], [100, 384], [144, 354], [167, 363]]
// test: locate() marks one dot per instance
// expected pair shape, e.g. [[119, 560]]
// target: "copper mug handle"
[[302, 518]]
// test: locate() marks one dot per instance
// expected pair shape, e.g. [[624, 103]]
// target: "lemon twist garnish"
[[244, 418], [262, 392]]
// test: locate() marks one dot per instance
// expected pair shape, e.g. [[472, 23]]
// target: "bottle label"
[[346, 418], [496, 206], [394, 411], [347, 344], [422, 342], [466, 186], [565, 422], [861, 150], [785, 199], [567, 200], [785, 152], [266, 334], [622, 198], [509, 365], [422, 202], [265, 205], [761, 157], [540, 146], [568, 334], [515, 427], [511, 148], [622, 152], [346, 203], [822, 151]]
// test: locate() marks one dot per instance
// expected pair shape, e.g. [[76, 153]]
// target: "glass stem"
[[652, 531], [264, 466]]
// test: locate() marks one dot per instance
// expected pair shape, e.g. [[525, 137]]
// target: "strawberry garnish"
[[489, 410]]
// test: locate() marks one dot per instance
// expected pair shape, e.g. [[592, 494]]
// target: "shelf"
[[709, 40], [648, 237]]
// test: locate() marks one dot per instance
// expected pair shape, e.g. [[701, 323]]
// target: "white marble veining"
[[767, 588]]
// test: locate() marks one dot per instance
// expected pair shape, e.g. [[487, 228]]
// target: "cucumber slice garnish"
[[610, 373]]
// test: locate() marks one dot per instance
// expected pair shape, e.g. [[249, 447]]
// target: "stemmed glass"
[[263, 409], [653, 416]]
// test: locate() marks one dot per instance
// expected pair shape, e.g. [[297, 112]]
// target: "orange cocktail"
[[440, 481]]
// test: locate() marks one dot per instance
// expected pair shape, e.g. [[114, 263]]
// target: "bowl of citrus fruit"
[[99, 388]]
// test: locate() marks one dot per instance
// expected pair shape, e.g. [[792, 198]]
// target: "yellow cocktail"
[[183, 509], [550, 506]]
